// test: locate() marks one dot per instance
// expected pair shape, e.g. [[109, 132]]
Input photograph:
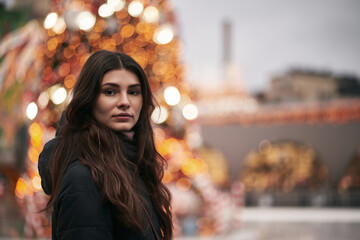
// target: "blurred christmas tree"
[[147, 31], [283, 166]]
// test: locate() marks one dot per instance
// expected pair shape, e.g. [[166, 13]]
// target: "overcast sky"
[[269, 37]]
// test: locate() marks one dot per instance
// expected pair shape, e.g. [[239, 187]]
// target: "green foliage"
[[12, 19]]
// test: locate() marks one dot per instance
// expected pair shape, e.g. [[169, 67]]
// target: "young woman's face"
[[120, 100]]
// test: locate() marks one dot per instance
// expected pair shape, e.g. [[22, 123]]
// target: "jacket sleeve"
[[80, 213], [43, 166]]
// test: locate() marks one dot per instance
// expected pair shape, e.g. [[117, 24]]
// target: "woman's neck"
[[128, 134]]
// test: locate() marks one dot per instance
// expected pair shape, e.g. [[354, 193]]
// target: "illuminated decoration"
[[36, 183], [105, 10], [81, 28], [237, 108], [58, 96], [21, 188], [60, 26], [31, 111], [43, 100], [183, 184], [282, 166], [159, 115], [151, 14], [135, 8], [194, 194], [163, 35], [190, 112], [172, 96], [117, 5], [28, 188], [85, 20], [50, 20]]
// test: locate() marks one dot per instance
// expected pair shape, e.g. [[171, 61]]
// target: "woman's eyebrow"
[[110, 84], [134, 85]]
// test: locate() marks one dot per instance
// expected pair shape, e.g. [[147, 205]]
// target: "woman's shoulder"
[[77, 178]]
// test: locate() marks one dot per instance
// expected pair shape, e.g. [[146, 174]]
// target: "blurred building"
[[316, 108], [306, 85]]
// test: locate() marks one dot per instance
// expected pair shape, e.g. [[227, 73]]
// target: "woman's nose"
[[123, 101]]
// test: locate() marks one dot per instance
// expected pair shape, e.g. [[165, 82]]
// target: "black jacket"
[[79, 212]]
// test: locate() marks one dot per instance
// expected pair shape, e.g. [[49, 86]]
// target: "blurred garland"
[[282, 166]]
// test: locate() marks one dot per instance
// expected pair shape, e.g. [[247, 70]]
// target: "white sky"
[[269, 37]]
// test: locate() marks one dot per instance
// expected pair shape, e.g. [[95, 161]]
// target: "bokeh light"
[[190, 111], [31, 111], [36, 182], [163, 34], [159, 115], [172, 96], [135, 8], [105, 10], [58, 96], [50, 20], [151, 14], [43, 100], [60, 26], [85, 20], [116, 5]]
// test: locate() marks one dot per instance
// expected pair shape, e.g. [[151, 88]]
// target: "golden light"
[[33, 154], [21, 188], [31, 111], [116, 5], [36, 182], [105, 10], [69, 81], [189, 167], [64, 69], [58, 96], [35, 130], [159, 115], [183, 184], [36, 142], [190, 112], [127, 31], [50, 20], [52, 44], [167, 176], [163, 34], [36, 135], [172, 96], [85, 20], [43, 100], [151, 14], [135, 8], [60, 26]]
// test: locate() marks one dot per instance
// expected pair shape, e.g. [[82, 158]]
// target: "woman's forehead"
[[120, 77]]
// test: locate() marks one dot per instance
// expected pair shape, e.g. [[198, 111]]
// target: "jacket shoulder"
[[43, 166], [77, 178]]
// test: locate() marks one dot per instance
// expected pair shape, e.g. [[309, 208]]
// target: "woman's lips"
[[122, 116]]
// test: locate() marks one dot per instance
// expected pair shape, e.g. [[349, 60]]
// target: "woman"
[[102, 171]]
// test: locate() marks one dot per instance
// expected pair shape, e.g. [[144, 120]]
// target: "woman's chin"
[[121, 128]]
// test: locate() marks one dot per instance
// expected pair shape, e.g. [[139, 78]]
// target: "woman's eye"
[[109, 92], [134, 92]]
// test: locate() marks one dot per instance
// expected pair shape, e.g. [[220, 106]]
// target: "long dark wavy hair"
[[99, 148]]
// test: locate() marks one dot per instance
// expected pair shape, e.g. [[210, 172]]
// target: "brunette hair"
[[99, 148]]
